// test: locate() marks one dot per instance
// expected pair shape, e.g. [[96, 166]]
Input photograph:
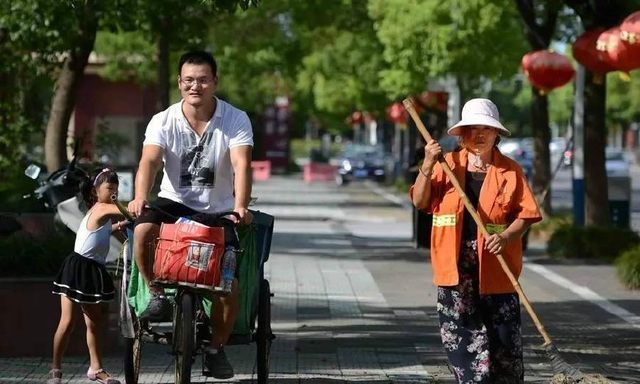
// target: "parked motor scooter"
[[60, 192]]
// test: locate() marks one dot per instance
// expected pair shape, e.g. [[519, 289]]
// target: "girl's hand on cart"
[[122, 225], [124, 211]]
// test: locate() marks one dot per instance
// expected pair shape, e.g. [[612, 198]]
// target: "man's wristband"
[[427, 175]]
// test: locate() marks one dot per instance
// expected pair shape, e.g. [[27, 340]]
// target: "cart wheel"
[[183, 340], [264, 335], [133, 353]]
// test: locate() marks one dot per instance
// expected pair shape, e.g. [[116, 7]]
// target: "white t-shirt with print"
[[197, 169]]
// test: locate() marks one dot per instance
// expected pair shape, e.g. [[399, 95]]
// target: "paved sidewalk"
[[353, 303], [327, 316], [332, 326]]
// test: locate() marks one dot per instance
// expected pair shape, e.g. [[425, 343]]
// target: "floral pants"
[[481, 334]]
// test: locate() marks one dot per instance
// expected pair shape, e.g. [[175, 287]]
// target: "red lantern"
[[622, 56], [397, 113], [356, 118], [547, 70], [630, 29], [585, 52], [434, 100]]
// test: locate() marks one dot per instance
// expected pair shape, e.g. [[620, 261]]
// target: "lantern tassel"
[[624, 76]]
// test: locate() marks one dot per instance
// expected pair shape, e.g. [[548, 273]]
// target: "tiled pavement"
[[325, 315], [332, 325]]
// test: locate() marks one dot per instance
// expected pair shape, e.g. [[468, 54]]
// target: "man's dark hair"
[[198, 57]]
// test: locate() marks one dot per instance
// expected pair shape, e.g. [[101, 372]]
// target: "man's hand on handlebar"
[[246, 217], [136, 206]]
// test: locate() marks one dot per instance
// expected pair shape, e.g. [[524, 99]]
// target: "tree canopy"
[[468, 39], [329, 58]]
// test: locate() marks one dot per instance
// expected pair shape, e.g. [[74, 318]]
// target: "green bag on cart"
[[248, 279]]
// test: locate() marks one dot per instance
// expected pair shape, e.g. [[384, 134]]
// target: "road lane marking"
[[586, 294], [388, 196]]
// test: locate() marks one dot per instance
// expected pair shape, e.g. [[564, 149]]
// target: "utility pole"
[[578, 150]]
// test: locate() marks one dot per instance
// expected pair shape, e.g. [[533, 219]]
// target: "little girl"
[[84, 280]]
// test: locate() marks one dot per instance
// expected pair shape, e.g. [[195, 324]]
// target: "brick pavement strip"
[[328, 317]]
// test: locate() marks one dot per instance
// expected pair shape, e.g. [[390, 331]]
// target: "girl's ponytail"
[[86, 190]]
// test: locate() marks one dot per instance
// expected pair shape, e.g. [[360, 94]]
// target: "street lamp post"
[[578, 150]]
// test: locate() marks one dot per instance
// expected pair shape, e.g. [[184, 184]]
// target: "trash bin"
[[619, 188]]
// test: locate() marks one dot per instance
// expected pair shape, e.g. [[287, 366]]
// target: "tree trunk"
[[163, 67], [541, 138], [539, 24], [61, 107], [66, 87], [595, 141]]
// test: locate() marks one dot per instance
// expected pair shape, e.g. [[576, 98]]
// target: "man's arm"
[[150, 163], [241, 162]]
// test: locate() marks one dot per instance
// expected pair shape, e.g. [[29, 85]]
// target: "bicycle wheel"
[[133, 354], [183, 340], [263, 333]]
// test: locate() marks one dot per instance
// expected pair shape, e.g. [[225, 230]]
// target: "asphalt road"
[[562, 192]]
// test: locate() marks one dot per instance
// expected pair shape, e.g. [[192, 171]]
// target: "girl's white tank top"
[[93, 244]]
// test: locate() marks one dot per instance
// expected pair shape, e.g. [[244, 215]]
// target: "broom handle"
[[409, 106]]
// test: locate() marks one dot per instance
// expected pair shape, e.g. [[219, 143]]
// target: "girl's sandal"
[[101, 376], [55, 376]]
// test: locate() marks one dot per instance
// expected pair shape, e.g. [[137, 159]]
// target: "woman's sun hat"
[[479, 112]]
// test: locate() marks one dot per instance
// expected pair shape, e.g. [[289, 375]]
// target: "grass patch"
[[592, 242], [628, 268]]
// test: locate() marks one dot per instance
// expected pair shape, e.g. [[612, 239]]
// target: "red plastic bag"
[[189, 254]]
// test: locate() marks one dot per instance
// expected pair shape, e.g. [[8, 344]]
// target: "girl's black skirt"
[[84, 280]]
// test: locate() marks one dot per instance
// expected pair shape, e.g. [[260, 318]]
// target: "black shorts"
[[168, 211]]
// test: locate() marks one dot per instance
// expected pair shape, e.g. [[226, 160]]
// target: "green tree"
[[175, 25], [254, 67], [83, 19], [471, 40], [326, 59], [539, 19], [341, 66], [23, 80], [56, 38], [592, 15], [127, 55], [623, 99]]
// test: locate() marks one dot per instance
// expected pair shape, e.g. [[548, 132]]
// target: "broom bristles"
[[559, 365]]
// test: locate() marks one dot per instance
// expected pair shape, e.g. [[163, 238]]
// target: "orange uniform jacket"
[[505, 196]]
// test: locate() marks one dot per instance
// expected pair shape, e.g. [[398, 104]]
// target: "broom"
[[558, 364]]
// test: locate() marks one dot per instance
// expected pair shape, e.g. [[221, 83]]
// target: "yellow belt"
[[495, 228]]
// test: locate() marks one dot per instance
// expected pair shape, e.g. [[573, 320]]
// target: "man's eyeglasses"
[[189, 82]]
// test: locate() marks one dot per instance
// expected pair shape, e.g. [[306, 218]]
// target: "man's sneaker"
[[217, 364], [159, 309]]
